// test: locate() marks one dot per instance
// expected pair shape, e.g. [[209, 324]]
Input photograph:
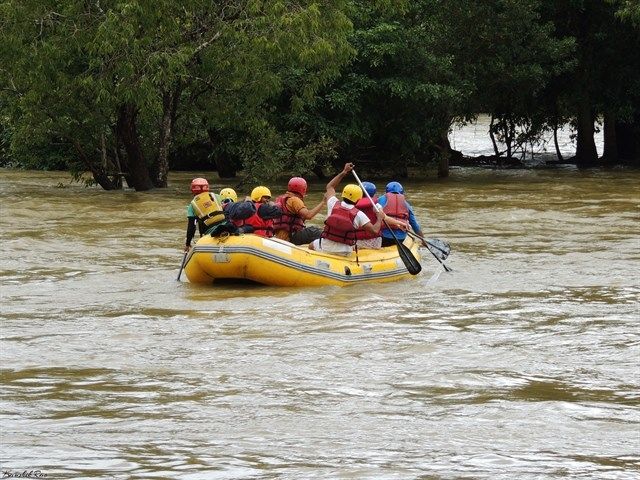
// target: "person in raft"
[[204, 211], [255, 215], [365, 238], [227, 196], [290, 226], [344, 219], [396, 207]]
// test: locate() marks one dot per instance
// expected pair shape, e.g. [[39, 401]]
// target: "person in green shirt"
[[198, 186]]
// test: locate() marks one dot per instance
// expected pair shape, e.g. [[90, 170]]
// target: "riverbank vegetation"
[[131, 89]]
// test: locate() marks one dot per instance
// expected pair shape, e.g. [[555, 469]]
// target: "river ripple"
[[522, 363]]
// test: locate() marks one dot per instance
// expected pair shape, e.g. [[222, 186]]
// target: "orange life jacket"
[[396, 206], [288, 221]]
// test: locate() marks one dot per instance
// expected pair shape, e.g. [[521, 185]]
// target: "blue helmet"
[[370, 188], [394, 187]]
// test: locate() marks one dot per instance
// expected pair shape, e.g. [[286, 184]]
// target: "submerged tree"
[[421, 65], [622, 131], [390, 105], [292, 85], [112, 78], [251, 113], [605, 80]]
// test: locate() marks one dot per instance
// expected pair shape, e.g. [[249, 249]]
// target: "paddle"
[[429, 245], [412, 264], [442, 248], [184, 259]]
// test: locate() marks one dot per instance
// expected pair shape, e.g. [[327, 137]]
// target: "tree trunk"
[[493, 138], [510, 137], [225, 168], [99, 174], [169, 108], [610, 152], [107, 163], [628, 136], [319, 173], [445, 154], [586, 153], [138, 175], [555, 141]]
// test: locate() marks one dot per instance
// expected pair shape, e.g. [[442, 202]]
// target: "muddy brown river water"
[[522, 363]]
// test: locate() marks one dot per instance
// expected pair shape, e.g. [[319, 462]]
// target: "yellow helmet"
[[228, 194], [352, 192], [259, 192]]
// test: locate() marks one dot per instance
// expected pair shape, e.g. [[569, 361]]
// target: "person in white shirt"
[[344, 219]]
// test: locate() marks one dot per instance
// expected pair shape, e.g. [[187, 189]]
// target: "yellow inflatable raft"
[[271, 261]]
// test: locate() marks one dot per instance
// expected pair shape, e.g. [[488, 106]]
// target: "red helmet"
[[199, 185], [297, 185]]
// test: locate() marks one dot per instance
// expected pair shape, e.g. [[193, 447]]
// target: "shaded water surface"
[[522, 363]]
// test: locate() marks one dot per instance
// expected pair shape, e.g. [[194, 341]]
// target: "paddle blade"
[[439, 248], [411, 262], [184, 260]]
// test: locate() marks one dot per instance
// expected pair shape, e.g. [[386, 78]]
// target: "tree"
[[386, 108], [605, 79], [252, 113], [516, 59], [423, 64], [622, 115], [628, 11], [112, 78]]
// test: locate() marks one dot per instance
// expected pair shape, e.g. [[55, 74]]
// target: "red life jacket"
[[396, 206], [365, 206], [261, 227], [288, 221], [339, 225]]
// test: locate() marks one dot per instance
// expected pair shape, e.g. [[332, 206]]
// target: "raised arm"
[[335, 181]]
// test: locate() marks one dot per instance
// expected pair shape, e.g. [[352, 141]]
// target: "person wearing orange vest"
[[395, 206], [344, 219], [260, 213], [365, 238], [290, 226]]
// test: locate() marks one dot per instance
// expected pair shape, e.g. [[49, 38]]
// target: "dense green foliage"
[[123, 88], [113, 79]]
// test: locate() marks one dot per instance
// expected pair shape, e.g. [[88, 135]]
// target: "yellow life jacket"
[[207, 208]]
